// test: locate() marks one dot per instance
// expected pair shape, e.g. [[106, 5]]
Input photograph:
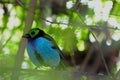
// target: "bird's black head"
[[34, 33]]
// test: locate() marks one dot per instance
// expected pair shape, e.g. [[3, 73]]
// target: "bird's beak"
[[26, 36]]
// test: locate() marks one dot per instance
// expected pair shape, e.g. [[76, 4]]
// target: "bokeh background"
[[86, 31]]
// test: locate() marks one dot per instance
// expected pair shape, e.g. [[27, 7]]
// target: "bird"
[[42, 48]]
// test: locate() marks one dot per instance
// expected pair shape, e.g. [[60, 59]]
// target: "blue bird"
[[42, 48]]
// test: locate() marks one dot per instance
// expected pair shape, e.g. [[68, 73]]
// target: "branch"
[[20, 3], [52, 22], [20, 53]]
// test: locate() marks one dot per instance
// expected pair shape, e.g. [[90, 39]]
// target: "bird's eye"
[[33, 32]]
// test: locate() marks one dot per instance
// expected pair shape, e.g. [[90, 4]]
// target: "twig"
[[52, 22], [102, 56], [20, 3]]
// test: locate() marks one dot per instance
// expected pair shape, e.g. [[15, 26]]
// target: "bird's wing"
[[54, 44], [56, 47]]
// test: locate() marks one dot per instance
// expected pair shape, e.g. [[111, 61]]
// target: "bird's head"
[[34, 33]]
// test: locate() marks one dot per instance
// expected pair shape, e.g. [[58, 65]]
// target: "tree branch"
[[20, 53]]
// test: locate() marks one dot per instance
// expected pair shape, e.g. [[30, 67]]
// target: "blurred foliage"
[[69, 22]]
